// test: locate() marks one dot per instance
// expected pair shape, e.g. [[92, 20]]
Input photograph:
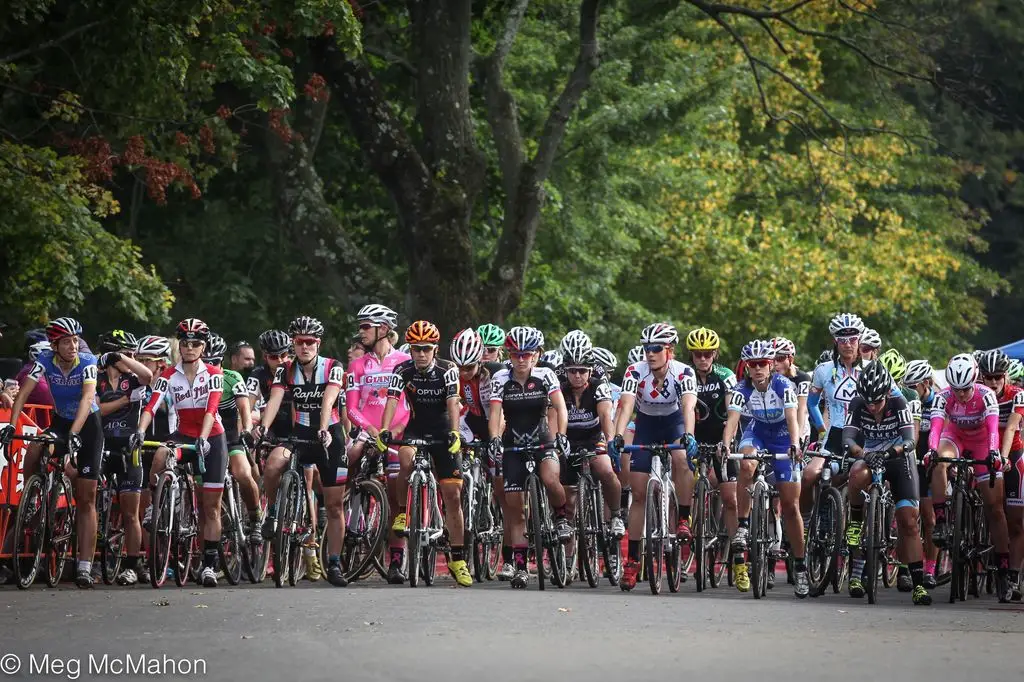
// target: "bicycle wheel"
[[759, 542], [957, 548], [673, 546], [495, 539], [654, 554], [112, 549], [701, 554], [297, 530], [230, 549], [588, 528], [874, 520], [281, 547], [719, 561], [436, 516], [823, 539], [366, 532], [161, 541], [482, 527], [60, 529], [890, 561], [29, 532], [415, 536], [186, 533], [535, 525]]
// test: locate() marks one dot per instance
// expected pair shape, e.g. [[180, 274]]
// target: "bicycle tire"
[[229, 548], [112, 549], [161, 537], [30, 522], [281, 545], [958, 560], [759, 542], [701, 510], [495, 540], [890, 561], [588, 529], [672, 548], [186, 532], [874, 517], [719, 562], [824, 538], [429, 566], [654, 555], [297, 530], [535, 536], [372, 534], [481, 527], [61, 530], [469, 498], [415, 536]]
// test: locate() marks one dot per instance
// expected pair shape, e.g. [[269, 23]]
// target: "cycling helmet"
[[193, 329], [404, 348], [895, 363], [467, 348], [552, 357], [870, 339], [962, 371], [540, 336], [491, 335], [605, 358], [758, 349], [636, 354], [215, 348], [846, 324], [523, 339], [275, 341], [576, 344], [784, 346], [63, 327], [874, 382], [977, 355], [154, 346], [702, 338], [826, 356], [917, 371], [378, 314], [306, 326], [659, 332], [117, 340], [422, 331], [1015, 371], [36, 348], [994, 362]]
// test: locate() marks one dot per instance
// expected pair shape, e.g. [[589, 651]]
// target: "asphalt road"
[[371, 631]]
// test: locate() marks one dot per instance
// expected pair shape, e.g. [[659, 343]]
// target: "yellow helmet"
[[702, 339]]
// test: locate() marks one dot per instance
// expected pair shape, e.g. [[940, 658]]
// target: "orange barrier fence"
[[12, 458]]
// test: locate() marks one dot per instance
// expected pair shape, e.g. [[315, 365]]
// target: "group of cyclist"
[[878, 408]]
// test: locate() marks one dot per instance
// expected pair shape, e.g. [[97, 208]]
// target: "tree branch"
[[715, 9], [392, 58], [508, 36], [50, 43]]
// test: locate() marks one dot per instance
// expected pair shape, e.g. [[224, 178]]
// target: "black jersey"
[[308, 394], [584, 422], [121, 424], [524, 405], [711, 410], [895, 427], [427, 392], [258, 384]]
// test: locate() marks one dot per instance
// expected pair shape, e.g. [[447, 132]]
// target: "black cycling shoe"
[[336, 576], [929, 581], [396, 576]]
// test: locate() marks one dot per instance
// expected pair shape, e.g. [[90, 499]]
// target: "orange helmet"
[[422, 331]]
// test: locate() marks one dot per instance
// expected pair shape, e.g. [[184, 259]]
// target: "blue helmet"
[[846, 324], [758, 349]]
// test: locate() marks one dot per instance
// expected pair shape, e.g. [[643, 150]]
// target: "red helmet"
[[193, 329]]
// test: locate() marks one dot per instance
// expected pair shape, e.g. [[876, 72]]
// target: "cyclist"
[[275, 346], [880, 430], [965, 419], [714, 381], [315, 384], [870, 345], [366, 389], [770, 400], [120, 395], [1015, 373], [589, 410], [918, 378], [493, 338], [194, 389], [76, 420], [993, 366], [520, 396], [431, 387], [664, 392], [785, 364], [236, 417]]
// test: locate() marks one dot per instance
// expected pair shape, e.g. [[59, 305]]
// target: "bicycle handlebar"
[[538, 447], [653, 446], [760, 456], [418, 442], [958, 462]]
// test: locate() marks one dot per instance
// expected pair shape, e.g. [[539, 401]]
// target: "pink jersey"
[[366, 391], [974, 419]]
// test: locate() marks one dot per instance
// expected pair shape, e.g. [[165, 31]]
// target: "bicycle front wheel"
[[654, 545], [535, 534], [60, 529], [161, 540], [873, 545], [588, 528], [702, 558], [231, 545], [823, 538], [186, 533], [112, 546], [282, 545], [29, 532], [958, 556], [760, 541], [415, 538], [889, 560], [366, 532]]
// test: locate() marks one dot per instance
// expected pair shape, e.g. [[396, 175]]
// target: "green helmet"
[[1016, 370], [894, 361], [492, 335]]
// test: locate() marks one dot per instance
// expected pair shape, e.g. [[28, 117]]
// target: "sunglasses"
[[216, 362], [847, 340], [758, 364], [654, 348], [305, 341], [191, 344], [993, 377], [577, 370], [704, 354], [366, 325], [780, 358], [468, 368], [422, 348], [276, 356], [521, 356]]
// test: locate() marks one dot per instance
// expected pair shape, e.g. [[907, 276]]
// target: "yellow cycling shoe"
[[399, 525], [314, 571], [460, 571], [740, 577]]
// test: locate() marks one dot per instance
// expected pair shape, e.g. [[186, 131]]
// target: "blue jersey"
[[839, 387], [66, 389], [764, 407]]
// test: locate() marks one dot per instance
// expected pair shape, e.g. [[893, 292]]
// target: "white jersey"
[[659, 398]]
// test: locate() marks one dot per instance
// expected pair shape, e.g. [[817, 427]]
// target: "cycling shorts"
[[1014, 477], [569, 472], [216, 460], [447, 467], [775, 441], [391, 463], [975, 442], [514, 467], [333, 464], [902, 476], [118, 462], [90, 457], [654, 430]]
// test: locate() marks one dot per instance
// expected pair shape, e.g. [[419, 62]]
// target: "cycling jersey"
[[970, 427], [234, 390], [712, 410], [839, 387], [123, 422], [366, 391], [767, 428], [308, 395], [525, 405], [1011, 400], [584, 423], [895, 427], [66, 389], [427, 391], [659, 398], [475, 395], [258, 384], [191, 400]]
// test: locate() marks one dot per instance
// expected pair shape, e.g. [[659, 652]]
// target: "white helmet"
[[784, 346], [659, 332], [378, 314], [552, 357], [846, 324], [917, 371], [576, 347], [870, 339], [636, 354], [36, 348], [404, 348], [962, 371], [467, 348], [154, 346], [605, 358]]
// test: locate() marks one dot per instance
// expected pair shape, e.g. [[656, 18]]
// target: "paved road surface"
[[490, 632]]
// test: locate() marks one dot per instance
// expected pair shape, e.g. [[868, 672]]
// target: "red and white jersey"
[[190, 401], [1011, 400], [659, 398]]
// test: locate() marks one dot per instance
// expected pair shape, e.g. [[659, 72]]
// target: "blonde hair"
[[393, 337], [175, 353]]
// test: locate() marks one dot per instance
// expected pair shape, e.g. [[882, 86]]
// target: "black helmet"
[[118, 340], [216, 347], [994, 362], [306, 326], [275, 341], [874, 382]]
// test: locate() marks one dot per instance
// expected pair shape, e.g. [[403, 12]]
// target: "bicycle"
[[294, 523], [262, 555], [763, 526], [593, 533], [366, 515], [540, 525], [710, 536], [426, 522], [45, 521], [234, 550], [482, 514], [662, 550], [176, 527], [826, 544], [965, 527], [878, 543], [110, 529]]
